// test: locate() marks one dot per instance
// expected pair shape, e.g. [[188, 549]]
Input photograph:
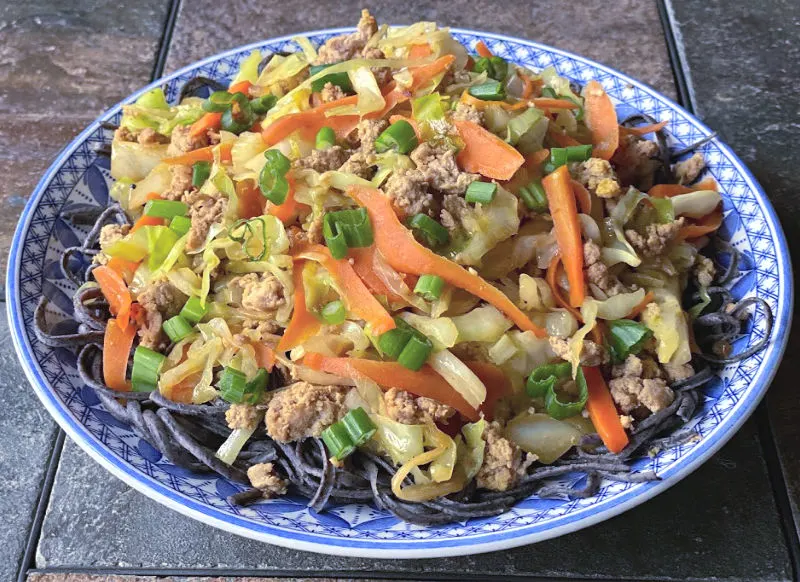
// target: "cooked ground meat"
[[677, 372], [122, 133], [503, 462], [160, 300], [331, 92], [325, 160], [360, 165], [592, 354], [204, 210], [437, 163], [688, 170], [409, 409], [634, 161], [655, 239], [467, 112], [368, 132], [260, 291], [304, 410], [704, 270], [598, 176], [348, 46], [408, 190], [111, 233], [454, 77], [182, 142], [597, 272], [382, 74], [264, 476], [242, 416], [631, 393], [181, 182], [265, 329], [149, 136], [454, 207]]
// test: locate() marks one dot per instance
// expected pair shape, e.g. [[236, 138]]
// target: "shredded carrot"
[[363, 263], [357, 298], [147, 221], [152, 196], [497, 383], [406, 255], [251, 200], [485, 153], [209, 122], [539, 102], [420, 51], [603, 412], [555, 288], [483, 50], [303, 324], [561, 199], [648, 298], [560, 138], [117, 344], [116, 293], [643, 129], [123, 268], [530, 86], [703, 226], [265, 355], [583, 197], [287, 211], [550, 103], [240, 87], [601, 119], [670, 190], [424, 382], [205, 154]]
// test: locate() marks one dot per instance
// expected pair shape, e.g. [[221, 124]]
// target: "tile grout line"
[[29, 556], [763, 426]]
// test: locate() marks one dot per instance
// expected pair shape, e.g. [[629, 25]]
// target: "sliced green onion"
[[548, 168], [341, 80], [534, 196], [314, 69], [499, 68], [193, 311], [146, 367], [544, 378], [579, 153], [254, 389], [248, 234], [239, 116], [200, 173], [326, 138], [338, 441], [415, 353], [261, 105], [429, 231], [558, 157], [347, 229], [218, 102], [231, 385], [333, 313], [489, 91], [399, 136], [481, 192], [359, 426], [273, 186], [165, 208], [560, 410], [392, 342], [482, 65], [549, 92], [429, 287], [626, 337], [181, 225], [160, 241], [177, 328], [277, 161]]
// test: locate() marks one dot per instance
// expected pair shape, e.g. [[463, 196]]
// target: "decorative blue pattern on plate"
[[78, 176]]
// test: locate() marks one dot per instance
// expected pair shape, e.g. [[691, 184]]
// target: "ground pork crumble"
[[304, 410]]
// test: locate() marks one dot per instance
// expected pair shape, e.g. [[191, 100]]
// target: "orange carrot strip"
[[363, 264], [483, 50], [601, 119], [287, 211], [147, 221], [561, 139], [209, 122], [530, 86], [357, 298], [555, 289], [424, 382], [152, 196], [582, 196], [497, 385], [420, 51], [116, 293], [670, 190], [205, 154], [561, 200], [117, 344], [303, 323], [265, 355], [706, 225], [485, 153], [123, 268], [603, 411], [550, 103], [240, 87], [406, 255], [648, 298], [643, 129], [251, 201]]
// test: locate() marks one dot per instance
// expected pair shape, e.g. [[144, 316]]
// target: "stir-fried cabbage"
[[370, 98], [471, 446], [481, 324], [547, 438], [459, 376], [620, 305], [135, 161], [666, 319], [248, 70], [441, 330], [617, 249], [486, 225], [402, 442], [589, 311], [519, 352], [535, 294], [560, 323], [696, 204]]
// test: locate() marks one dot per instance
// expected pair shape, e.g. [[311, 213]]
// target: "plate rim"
[[342, 546]]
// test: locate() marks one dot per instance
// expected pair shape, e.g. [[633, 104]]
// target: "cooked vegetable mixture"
[[399, 270]]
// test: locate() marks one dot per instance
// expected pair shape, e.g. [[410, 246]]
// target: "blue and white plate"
[[80, 176]]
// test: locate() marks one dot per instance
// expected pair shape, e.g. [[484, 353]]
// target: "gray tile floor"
[[730, 520]]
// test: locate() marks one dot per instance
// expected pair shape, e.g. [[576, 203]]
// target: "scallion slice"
[[429, 231], [146, 367], [254, 389], [200, 173], [218, 102], [261, 105], [193, 311], [177, 328], [359, 426], [534, 196], [542, 384], [579, 153], [326, 138], [165, 208], [399, 136], [338, 441], [415, 353], [341, 80], [558, 157], [181, 225], [429, 287], [333, 313], [489, 91], [626, 337], [231, 385], [347, 229], [272, 180], [481, 192]]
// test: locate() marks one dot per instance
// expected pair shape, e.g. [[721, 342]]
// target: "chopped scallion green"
[[399, 136], [146, 367], [165, 208], [481, 192], [429, 231], [429, 287], [177, 328], [193, 311], [334, 312]]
